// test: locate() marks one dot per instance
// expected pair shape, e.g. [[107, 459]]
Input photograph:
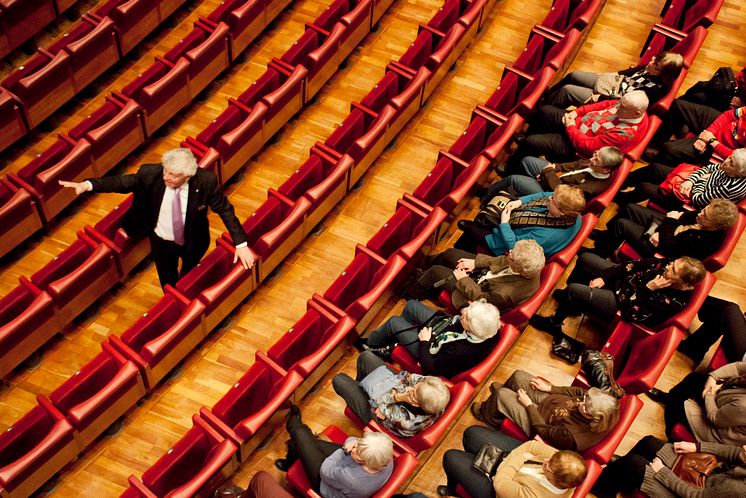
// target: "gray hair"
[[432, 395], [611, 157], [636, 99], [604, 410], [738, 159], [375, 449], [484, 319], [724, 213], [527, 258], [180, 161]]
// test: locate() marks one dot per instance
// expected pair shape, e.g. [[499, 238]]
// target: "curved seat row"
[[32, 197], [22, 19], [175, 325]]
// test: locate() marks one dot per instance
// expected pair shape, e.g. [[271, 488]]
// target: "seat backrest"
[[227, 121], [447, 15], [247, 395], [48, 158], [207, 273], [301, 339], [439, 182], [310, 174], [354, 281], [14, 303], [352, 128], [308, 42], [268, 82], [154, 323], [333, 14], [70, 259], [419, 50], [472, 140], [505, 97], [27, 432], [179, 464], [265, 218], [86, 382], [397, 231], [386, 89]]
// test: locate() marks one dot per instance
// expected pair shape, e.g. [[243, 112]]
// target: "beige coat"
[[510, 482], [723, 418]]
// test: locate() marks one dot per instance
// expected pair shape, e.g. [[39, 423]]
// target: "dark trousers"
[[719, 317], [580, 298], [472, 237], [312, 452], [350, 391], [630, 226], [458, 464], [695, 118], [438, 270], [545, 137], [690, 387], [625, 475], [166, 255]]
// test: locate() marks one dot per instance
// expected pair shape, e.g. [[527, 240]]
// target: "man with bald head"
[[561, 135]]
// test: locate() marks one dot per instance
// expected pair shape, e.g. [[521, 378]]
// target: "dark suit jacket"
[[148, 188], [505, 292]]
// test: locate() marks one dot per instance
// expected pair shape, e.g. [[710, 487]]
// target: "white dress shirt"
[[164, 227]]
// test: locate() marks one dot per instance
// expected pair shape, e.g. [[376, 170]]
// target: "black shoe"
[[476, 411], [657, 395], [559, 294], [480, 191], [294, 410], [597, 234], [383, 352], [463, 225], [360, 344], [283, 464], [443, 490], [545, 324], [494, 387]]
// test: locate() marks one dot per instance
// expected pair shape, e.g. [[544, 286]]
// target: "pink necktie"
[[176, 219]]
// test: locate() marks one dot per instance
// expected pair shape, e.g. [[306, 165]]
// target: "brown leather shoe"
[[476, 411]]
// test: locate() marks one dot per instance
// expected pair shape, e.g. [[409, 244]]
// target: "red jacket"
[[596, 126]]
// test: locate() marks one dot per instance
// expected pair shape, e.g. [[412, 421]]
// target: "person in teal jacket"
[[550, 218]]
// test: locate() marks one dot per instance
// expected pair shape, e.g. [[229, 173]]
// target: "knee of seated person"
[[576, 290]]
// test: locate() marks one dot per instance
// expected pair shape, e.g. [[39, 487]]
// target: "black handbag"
[[598, 368], [488, 459], [567, 348]]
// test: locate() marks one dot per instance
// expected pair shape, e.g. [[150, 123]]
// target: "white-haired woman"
[[403, 402], [442, 344], [356, 469], [568, 418], [505, 281]]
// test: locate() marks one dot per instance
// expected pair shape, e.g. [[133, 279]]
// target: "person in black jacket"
[[677, 233], [442, 344], [647, 291], [161, 191], [581, 87]]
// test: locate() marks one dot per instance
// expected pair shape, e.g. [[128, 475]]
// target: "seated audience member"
[[403, 402], [592, 176], [725, 181], [550, 218], [568, 418], [356, 469], [647, 467], [262, 485], [442, 344], [722, 419], [531, 470], [677, 233], [504, 281], [719, 318], [719, 133], [655, 79], [647, 291], [561, 135], [711, 94]]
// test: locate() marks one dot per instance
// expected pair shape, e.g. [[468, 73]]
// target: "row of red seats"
[[22, 19], [64, 68], [32, 197], [186, 313]]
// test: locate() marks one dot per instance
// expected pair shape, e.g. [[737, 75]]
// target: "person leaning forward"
[[161, 191]]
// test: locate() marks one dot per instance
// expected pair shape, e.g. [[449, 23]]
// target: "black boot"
[[546, 324]]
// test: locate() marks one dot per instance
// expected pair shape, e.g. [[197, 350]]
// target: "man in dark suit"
[[175, 232]]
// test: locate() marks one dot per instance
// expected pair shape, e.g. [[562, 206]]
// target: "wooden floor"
[[153, 426]]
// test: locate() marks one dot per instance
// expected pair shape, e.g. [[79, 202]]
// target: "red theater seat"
[[114, 130], [324, 60], [134, 20], [629, 407], [444, 56], [66, 159], [370, 145], [27, 321], [162, 337], [162, 91], [421, 48], [359, 290], [194, 466], [42, 85], [474, 376], [254, 406], [77, 277], [322, 179], [19, 217], [408, 232], [518, 93], [12, 119], [206, 50], [34, 449], [245, 20], [565, 255], [662, 38], [93, 48], [354, 15], [404, 465], [273, 230], [408, 101], [685, 15], [22, 19], [311, 346], [460, 394], [519, 315], [98, 394], [219, 283], [639, 358], [571, 14], [545, 49]]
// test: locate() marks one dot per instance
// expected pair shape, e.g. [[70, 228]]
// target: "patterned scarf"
[[536, 214], [454, 332]]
